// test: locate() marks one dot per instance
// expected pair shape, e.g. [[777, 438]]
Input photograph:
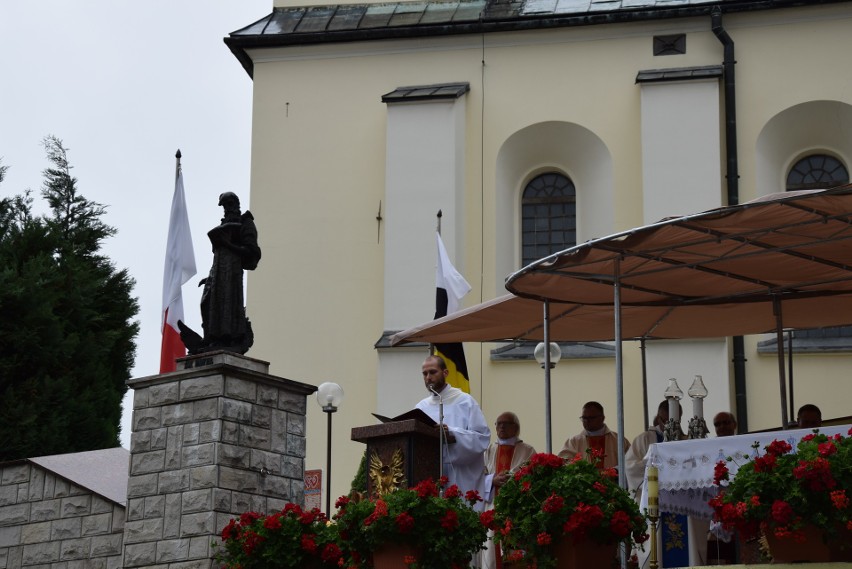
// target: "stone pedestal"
[[210, 441], [416, 442]]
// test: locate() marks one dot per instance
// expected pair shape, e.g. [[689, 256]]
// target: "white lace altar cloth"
[[686, 467]]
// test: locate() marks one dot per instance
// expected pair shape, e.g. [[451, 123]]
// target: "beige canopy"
[[789, 255], [510, 317]]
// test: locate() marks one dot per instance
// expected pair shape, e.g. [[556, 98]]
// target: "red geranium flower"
[[487, 519], [426, 488], [826, 448], [450, 520], [839, 499], [273, 522], [620, 523], [331, 553], [553, 504], [720, 472], [778, 448], [782, 512], [404, 522]]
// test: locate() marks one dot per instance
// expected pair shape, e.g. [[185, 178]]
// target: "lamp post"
[[697, 426], [329, 397], [548, 360], [673, 395]]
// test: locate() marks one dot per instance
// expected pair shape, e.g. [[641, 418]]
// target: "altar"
[[686, 467]]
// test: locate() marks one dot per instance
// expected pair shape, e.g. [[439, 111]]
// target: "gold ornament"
[[386, 478]]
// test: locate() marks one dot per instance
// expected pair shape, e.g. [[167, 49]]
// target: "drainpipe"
[[733, 185]]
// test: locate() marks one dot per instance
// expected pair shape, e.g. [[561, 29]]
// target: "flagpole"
[[439, 215], [179, 268]]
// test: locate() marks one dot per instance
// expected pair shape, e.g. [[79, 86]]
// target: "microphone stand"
[[441, 435]]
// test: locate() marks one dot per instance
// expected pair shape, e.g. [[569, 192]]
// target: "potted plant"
[[550, 506], [290, 539], [415, 528], [791, 497]]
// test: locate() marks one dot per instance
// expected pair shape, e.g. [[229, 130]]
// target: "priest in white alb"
[[466, 433]]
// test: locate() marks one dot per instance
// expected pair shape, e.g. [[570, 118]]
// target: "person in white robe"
[[466, 433], [502, 459], [595, 436]]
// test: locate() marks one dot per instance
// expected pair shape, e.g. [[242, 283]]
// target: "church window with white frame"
[[548, 216], [817, 172]]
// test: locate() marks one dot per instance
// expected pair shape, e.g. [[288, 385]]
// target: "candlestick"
[[653, 491]]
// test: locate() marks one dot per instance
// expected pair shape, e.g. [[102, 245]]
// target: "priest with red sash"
[[595, 437], [502, 459]]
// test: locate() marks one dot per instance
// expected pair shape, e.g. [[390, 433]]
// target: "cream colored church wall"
[[776, 53], [318, 176], [821, 379]]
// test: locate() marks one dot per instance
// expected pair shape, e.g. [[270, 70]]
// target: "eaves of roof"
[[293, 26]]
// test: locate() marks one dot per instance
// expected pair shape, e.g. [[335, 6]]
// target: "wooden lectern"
[[399, 453]]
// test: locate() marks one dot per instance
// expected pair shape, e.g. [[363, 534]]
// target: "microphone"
[[435, 393]]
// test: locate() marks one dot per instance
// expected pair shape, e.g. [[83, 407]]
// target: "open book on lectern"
[[413, 414]]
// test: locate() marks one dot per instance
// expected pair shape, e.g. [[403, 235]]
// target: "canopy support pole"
[[779, 340], [619, 392], [644, 382], [619, 375], [548, 442]]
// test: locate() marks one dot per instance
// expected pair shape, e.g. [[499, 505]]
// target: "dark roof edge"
[[239, 44]]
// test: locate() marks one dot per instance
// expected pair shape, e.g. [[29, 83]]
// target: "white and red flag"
[[179, 268]]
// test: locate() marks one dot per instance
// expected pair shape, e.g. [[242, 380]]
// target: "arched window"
[[817, 172], [548, 216]]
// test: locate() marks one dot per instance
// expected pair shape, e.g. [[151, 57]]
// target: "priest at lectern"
[[466, 433]]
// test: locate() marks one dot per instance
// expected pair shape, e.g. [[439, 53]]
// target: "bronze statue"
[[223, 314]]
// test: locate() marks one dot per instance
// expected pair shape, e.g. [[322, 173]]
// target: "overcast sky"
[[124, 85]]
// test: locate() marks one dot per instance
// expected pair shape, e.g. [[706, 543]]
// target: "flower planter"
[[393, 555], [584, 555], [813, 549]]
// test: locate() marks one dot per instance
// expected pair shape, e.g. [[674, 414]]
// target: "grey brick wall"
[[210, 441], [47, 522]]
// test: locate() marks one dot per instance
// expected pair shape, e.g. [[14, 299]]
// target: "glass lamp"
[[555, 354]]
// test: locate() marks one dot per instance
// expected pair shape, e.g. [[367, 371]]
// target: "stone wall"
[[47, 522], [210, 441]]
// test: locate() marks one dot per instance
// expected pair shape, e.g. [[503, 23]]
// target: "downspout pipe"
[[732, 178]]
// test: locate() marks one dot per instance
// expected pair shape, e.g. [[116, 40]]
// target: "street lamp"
[[555, 354], [548, 360], [329, 397]]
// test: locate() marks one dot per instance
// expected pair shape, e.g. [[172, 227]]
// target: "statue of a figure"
[[223, 314]]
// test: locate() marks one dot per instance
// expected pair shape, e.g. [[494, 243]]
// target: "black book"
[[413, 414]]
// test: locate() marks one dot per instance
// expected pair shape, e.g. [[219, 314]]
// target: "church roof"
[[104, 472], [300, 25]]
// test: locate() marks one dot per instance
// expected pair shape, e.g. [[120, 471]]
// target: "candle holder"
[[697, 428], [673, 395], [653, 513]]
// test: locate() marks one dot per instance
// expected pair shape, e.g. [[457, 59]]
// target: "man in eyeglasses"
[[725, 424], [595, 437]]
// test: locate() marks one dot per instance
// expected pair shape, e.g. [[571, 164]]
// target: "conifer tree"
[[67, 335]]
